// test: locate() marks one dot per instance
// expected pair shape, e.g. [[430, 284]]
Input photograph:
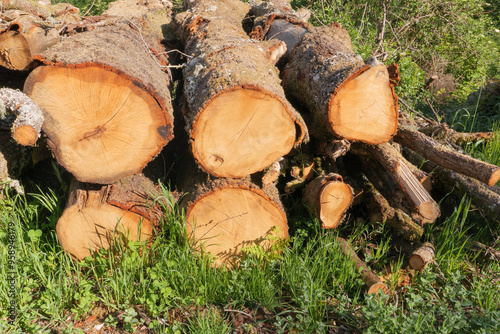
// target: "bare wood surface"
[[346, 97], [106, 114], [394, 163], [97, 216], [224, 216], [422, 255], [329, 198]]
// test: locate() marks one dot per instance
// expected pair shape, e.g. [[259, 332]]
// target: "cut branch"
[[26, 128], [422, 255], [373, 283], [446, 157]]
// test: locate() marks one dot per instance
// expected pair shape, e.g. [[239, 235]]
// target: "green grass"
[[310, 288]]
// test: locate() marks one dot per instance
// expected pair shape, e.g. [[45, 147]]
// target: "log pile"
[[245, 108]]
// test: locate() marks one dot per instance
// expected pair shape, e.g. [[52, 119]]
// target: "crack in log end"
[[97, 132], [165, 131]]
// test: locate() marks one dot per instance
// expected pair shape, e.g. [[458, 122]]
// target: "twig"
[[88, 10], [238, 311], [433, 111], [413, 110], [381, 36]]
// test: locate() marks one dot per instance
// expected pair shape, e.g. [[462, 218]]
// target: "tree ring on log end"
[[103, 125], [82, 231], [227, 219], [26, 135], [335, 198], [16, 54], [364, 107], [241, 131]]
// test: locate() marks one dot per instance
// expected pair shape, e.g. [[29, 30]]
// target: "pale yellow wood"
[[84, 230], [335, 199], [363, 109], [227, 219], [241, 132], [102, 125]]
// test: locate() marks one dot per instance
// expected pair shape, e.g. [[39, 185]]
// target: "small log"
[[13, 160], [373, 283], [26, 128], [96, 216], [105, 99], [32, 30], [346, 97], [482, 196], [329, 198], [422, 255], [225, 215], [238, 118], [446, 157], [395, 164], [400, 221]]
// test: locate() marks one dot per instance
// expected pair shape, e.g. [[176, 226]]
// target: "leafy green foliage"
[[452, 37]]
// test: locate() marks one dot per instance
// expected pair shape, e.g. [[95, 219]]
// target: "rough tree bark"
[[29, 118], [444, 156], [105, 99], [237, 116], [346, 97]]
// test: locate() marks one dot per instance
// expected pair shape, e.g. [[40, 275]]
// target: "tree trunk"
[[329, 198], [13, 159], [97, 216], [237, 116], [106, 101], [346, 97], [226, 215]]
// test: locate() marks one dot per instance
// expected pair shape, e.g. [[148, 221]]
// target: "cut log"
[[373, 283], [30, 32], [400, 221], [224, 216], [421, 256], [98, 216], [346, 97], [106, 102], [446, 157], [237, 116], [482, 196], [329, 198], [29, 118], [396, 165]]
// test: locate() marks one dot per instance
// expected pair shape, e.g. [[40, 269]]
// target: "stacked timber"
[[242, 149]]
